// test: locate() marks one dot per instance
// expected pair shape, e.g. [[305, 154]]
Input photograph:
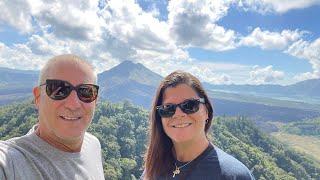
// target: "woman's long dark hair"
[[159, 157]]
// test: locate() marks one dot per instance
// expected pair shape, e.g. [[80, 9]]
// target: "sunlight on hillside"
[[306, 144]]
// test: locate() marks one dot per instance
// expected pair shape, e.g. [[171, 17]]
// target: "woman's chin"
[[181, 140]]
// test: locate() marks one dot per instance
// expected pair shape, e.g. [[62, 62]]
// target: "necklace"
[[177, 170]]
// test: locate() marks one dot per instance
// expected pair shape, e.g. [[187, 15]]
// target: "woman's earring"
[[207, 120]]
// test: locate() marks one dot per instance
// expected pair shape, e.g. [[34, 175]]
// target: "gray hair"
[[65, 57]]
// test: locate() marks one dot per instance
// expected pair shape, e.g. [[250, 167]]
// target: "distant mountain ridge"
[[128, 71], [309, 88], [14, 76], [16, 85], [136, 83]]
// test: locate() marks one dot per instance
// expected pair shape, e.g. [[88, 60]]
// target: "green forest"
[[123, 131]]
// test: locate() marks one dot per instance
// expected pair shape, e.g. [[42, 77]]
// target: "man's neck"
[[66, 146]]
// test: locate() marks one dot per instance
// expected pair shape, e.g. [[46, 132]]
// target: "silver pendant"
[[175, 172]]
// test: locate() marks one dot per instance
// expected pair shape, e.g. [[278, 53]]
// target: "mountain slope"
[[268, 158], [129, 81], [308, 88], [129, 71], [13, 76], [309, 127], [16, 85]]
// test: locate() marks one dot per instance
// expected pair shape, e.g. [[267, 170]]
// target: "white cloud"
[[193, 23], [76, 20], [276, 6], [146, 36], [217, 73], [16, 13], [265, 75], [103, 62], [19, 57], [120, 31], [38, 49], [309, 51], [271, 40]]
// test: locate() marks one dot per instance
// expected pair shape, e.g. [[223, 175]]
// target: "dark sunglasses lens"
[[167, 110], [190, 106], [87, 92], [57, 89]]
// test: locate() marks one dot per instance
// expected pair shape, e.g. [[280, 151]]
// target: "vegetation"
[[266, 157], [307, 144], [306, 128], [122, 131]]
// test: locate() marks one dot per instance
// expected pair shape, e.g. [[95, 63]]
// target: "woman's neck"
[[187, 151]]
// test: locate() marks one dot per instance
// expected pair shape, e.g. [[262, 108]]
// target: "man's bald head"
[[60, 60]]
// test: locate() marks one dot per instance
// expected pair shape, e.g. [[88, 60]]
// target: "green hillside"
[[303, 135], [307, 144], [122, 130], [240, 97], [267, 157], [306, 128]]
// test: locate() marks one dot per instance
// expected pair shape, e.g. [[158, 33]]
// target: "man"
[[58, 147]]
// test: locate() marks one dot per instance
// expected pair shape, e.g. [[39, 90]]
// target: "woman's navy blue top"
[[213, 164]]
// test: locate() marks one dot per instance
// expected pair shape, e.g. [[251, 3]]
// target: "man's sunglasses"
[[59, 90], [188, 106]]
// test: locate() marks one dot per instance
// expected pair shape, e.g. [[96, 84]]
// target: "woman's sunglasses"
[[188, 106], [59, 90]]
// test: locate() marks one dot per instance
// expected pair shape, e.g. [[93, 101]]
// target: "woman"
[[180, 118]]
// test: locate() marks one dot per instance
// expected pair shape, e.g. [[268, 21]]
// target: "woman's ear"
[[207, 112]]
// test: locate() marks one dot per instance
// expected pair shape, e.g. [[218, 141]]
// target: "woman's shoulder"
[[231, 167]]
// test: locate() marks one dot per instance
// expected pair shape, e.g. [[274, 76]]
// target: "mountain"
[[122, 131], [9, 76], [129, 71], [16, 85], [269, 89], [135, 83], [129, 81], [309, 87], [306, 91]]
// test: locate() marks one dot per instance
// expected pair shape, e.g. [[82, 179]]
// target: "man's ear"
[[96, 101], [36, 96]]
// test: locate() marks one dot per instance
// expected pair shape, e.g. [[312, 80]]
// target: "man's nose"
[[72, 102]]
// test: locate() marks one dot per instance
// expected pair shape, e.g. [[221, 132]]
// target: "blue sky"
[[221, 42]]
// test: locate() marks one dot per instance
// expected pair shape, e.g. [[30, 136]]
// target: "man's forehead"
[[61, 68]]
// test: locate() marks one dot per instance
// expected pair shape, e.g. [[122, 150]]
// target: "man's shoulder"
[[231, 167], [11, 146], [10, 152], [91, 139], [90, 136]]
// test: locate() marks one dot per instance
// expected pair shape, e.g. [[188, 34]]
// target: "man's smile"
[[70, 118]]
